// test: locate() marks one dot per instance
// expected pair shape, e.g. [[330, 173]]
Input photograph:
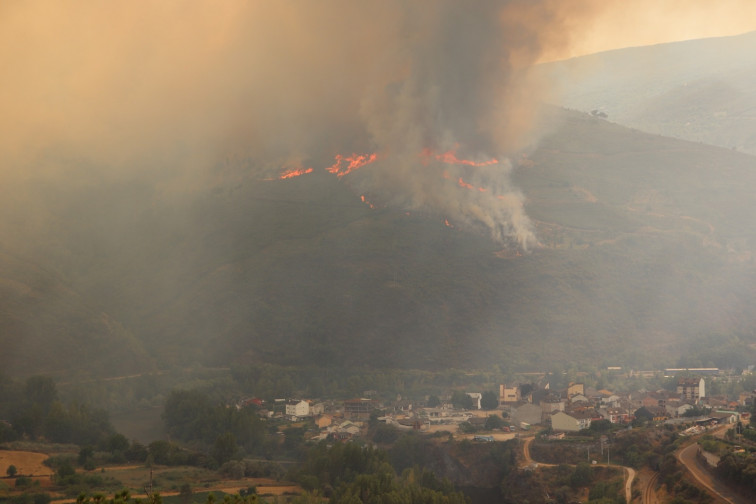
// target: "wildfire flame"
[[464, 184], [294, 172], [450, 157], [345, 165], [352, 162], [364, 200]]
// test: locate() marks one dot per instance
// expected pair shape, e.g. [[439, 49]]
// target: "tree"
[[460, 400], [225, 448], [582, 475], [434, 401], [66, 470], [602, 425], [41, 390], [11, 471], [489, 400], [494, 422], [117, 442], [85, 455], [185, 493]]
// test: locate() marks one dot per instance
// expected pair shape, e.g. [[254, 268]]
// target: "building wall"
[[528, 413], [563, 422], [509, 394], [300, 409], [575, 389], [358, 408]]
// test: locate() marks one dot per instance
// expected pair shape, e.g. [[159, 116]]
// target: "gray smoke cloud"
[[462, 89], [160, 92]]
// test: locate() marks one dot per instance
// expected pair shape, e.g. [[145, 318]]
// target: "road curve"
[[629, 471], [721, 492], [629, 483]]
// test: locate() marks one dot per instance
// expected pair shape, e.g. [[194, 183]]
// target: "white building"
[[691, 389], [296, 408]]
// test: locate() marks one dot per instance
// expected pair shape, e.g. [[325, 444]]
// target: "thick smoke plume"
[[160, 91], [166, 90], [459, 87]]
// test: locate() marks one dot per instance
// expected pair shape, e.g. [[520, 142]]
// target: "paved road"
[[721, 492]]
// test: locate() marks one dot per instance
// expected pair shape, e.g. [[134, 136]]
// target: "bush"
[[65, 470], [234, 469], [40, 498], [23, 482]]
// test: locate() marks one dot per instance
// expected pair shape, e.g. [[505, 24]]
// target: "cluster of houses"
[[339, 420], [575, 408], [568, 410]]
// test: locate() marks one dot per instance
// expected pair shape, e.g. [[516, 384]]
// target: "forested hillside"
[[645, 243]]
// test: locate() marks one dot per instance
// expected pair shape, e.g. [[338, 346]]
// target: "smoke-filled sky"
[[165, 89]]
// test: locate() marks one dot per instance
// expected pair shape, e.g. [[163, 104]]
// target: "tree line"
[[33, 410]]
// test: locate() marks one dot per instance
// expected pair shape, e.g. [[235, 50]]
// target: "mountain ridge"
[[698, 90]]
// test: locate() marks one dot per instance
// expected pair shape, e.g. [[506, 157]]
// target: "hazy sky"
[[128, 77], [612, 25], [167, 88]]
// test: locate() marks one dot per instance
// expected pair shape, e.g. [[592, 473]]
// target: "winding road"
[[720, 491], [629, 471]]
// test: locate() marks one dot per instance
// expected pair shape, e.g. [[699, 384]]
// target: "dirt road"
[[630, 472], [529, 462]]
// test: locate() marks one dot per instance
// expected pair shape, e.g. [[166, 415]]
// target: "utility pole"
[[148, 488]]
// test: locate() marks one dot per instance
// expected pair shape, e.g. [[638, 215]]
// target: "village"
[[518, 407]]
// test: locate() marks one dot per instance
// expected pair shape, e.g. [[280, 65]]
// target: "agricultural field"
[[27, 463]]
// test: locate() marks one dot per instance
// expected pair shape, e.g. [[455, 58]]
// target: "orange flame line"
[[451, 158], [294, 173], [354, 162], [464, 184]]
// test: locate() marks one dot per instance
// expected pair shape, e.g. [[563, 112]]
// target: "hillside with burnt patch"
[[644, 244]]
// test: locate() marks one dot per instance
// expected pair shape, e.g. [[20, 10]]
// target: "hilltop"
[[697, 90]]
